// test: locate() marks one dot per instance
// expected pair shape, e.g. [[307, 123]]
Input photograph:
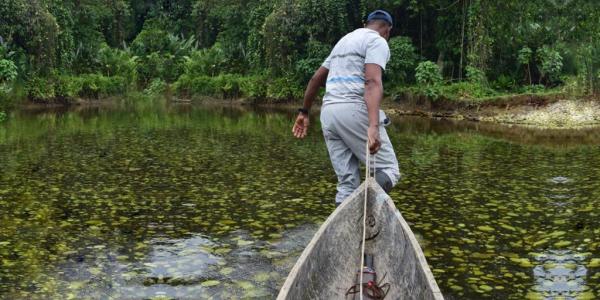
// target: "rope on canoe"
[[362, 250]]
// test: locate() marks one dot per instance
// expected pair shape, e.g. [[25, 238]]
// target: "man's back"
[[346, 64], [352, 75]]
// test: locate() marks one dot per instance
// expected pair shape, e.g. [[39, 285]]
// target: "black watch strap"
[[303, 110]]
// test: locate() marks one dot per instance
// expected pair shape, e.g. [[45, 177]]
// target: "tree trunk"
[[421, 31], [592, 91], [462, 42], [440, 61]]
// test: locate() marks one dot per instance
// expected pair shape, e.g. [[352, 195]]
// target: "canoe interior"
[[327, 268]]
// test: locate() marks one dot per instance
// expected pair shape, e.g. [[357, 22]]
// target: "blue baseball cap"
[[380, 15]]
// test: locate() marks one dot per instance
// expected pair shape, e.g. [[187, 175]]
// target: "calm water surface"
[[183, 202]]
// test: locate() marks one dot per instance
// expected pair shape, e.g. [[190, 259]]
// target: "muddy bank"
[[522, 135], [74, 104], [552, 111]]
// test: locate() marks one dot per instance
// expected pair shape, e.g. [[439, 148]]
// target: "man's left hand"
[[301, 126]]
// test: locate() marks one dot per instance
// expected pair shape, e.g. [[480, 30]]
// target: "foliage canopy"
[[501, 43]]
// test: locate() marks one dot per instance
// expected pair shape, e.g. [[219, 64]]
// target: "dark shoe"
[[384, 181]]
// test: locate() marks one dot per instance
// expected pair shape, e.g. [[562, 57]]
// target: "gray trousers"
[[345, 130]]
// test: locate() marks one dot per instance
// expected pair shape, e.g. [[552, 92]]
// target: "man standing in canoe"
[[350, 115]]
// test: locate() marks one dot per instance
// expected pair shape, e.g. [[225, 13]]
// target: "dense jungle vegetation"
[[60, 50]]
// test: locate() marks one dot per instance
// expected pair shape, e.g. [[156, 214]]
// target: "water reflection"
[[560, 273], [559, 180], [235, 266], [174, 267], [560, 190]]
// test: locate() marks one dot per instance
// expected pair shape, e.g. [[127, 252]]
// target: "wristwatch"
[[303, 110]]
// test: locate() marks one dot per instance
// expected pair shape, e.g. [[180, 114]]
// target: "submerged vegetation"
[[185, 202], [59, 50]]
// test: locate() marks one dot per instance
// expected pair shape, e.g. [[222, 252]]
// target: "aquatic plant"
[[188, 201]]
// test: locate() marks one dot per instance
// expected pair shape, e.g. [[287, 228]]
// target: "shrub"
[[533, 89], [429, 78], [167, 67], [254, 87], [284, 88], [183, 85], [2, 116], [551, 63], [8, 74], [161, 54], [205, 62], [201, 85], [156, 87], [228, 85], [574, 85], [96, 85], [316, 53], [8, 71], [201, 76], [66, 88], [476, 75], [428, 73], [466, 91], [401, 67], [235, 86], [152, 39], [504, 82], [525, 55], [40, 89], [113, 61]]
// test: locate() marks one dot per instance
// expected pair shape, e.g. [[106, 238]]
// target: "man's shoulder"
[[369, 37], [360, 37], [364, 33], [376, 38], [352, 35]]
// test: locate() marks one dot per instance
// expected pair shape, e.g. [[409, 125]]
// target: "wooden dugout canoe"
[[328, 266]]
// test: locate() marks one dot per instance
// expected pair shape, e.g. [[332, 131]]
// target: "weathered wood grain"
[[328, 265]]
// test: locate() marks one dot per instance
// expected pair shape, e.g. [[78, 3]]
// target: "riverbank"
[[545, 111], [538, 110], [542, 111]]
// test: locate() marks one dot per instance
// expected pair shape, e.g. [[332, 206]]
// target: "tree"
[[29, 25], [524, 59]]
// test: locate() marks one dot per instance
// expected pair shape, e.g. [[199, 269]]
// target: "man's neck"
[[373, 29]]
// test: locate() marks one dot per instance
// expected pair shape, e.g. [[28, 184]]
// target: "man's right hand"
[[374, 139], [300, 128]]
